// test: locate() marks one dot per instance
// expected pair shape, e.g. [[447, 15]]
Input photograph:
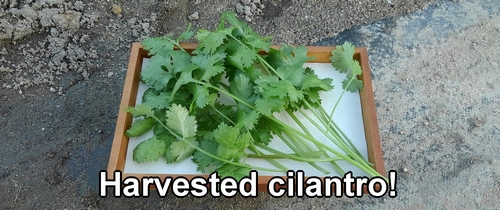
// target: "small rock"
[[256, 1], [78, 5], [145, 26], [52, 89], [116, 9], [194, 16], [426, 123], [132, 21], [43, 129], [246, 1], [110, 74], [240, 8]]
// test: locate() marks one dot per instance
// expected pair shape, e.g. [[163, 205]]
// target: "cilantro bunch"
[[215, 104]]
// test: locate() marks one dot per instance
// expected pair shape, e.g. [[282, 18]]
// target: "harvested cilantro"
[[216, 103]]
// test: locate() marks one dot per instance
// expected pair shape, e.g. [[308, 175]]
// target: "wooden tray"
[[322, 55]]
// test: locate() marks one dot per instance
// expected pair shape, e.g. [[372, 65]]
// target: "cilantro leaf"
[[210, 64], [240, 57], [288, 56], [269, 105], [206, 164], [140, 110], [243, 88], [182, 150], [180, 121], [247, 120], [312, 82], [232, 145], [187, 34], [156, 74], [293, 73], [342, 58], [140, 126], [342, 61], [354, 86], [149, 150], [159, 45], [209, 41], [202, 96], [156, 99], [262, 132], [229, 170]]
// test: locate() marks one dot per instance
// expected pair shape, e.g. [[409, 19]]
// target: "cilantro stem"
[[297, 157], [301, 125], [211, 155], [273, 156]]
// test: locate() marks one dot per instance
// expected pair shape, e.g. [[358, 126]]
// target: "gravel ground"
[[435, 75]]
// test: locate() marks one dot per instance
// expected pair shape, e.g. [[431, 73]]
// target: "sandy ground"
[[435, 69]]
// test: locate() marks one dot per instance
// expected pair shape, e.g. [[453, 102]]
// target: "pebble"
[[194, 16], [52, 89], [110, 74], [116, 9]]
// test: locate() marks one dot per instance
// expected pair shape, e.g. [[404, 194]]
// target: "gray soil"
[[436, 80]]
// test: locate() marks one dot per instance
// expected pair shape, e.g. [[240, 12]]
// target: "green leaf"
[[234, 148], [156, 99], [180, 121], [202, 96], [226, 135], [288, 56], [149, 150], [241, 57], [159, 45], [182, 150], [229, 170], [270, 86], [187, 34], [185, 78], [269, 105], [354, 86], [247, 120], [243, 88], [140, 126], [312, 82], [209, 41], [294, 73], [210, 64], [156, 74], [140, 110], [262, 131], [343, 59], [207, 164]]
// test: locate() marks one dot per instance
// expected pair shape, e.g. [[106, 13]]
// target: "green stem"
[[296, 157], [273, 156], [301, 125], [211, 155]]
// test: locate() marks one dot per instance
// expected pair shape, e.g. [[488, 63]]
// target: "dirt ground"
[[436, 80]]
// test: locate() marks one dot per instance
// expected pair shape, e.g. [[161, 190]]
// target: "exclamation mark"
[[392, 184]]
